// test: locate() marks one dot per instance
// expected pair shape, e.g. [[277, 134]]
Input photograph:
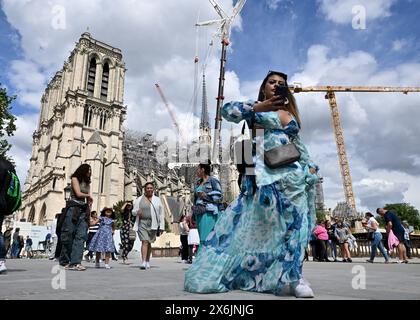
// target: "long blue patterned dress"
[[207, 220], [258, 243]]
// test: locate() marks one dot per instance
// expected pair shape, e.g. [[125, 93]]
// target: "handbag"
[[158, 231], [281, 156]]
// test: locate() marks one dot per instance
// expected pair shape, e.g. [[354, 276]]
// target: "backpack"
[[10, 190]]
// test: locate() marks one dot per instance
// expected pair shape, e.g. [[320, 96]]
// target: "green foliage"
[[7, 122], [405, 211], [320, 216], [119, 214]]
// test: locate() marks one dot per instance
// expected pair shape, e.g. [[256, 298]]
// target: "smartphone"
[[281, 91]]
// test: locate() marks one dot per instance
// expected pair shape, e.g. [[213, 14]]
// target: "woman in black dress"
[[126, 243]]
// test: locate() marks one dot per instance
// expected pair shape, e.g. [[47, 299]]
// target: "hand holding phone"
[[281, 92]]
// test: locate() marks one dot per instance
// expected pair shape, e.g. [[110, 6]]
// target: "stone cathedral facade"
[[80, 121]]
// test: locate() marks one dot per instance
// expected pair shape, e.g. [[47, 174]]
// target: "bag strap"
[[154, 209]]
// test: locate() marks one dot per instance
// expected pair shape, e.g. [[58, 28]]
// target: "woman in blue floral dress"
[[103, 241], [258, 243]]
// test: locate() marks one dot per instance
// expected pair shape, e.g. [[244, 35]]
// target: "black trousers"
[[184, 243]]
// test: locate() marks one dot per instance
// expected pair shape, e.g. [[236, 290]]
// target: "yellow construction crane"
[[338, 130]]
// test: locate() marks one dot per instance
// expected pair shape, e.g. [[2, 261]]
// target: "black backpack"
[[10, 190], [243, 151]]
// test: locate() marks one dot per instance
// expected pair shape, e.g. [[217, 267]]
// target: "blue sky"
[[311, 40], [279, 39]]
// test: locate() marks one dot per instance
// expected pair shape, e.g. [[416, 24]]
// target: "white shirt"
[[370, 222]]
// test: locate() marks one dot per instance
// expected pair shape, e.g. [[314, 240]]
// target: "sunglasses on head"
[[281, 74]]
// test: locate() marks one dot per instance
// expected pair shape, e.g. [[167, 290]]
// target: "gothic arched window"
[[105, 80], [87, 116], [91, 77]]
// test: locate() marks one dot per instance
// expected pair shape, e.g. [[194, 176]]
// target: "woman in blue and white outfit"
[[259, 243], [208, 195]]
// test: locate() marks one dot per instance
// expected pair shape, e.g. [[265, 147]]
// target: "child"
[[102, 241], [193, 238], [93, 229]]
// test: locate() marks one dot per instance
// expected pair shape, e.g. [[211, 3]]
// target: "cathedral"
[[80, 121]]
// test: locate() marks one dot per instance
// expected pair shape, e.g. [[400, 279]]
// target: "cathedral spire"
[[204, 121]]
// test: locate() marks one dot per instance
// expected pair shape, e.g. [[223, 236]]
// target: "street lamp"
[[67, 192]]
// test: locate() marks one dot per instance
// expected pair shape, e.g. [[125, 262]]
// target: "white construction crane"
[[225, 26]]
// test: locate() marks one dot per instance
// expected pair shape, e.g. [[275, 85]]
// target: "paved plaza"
[[38, 279]]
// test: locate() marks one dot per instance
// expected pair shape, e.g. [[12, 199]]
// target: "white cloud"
[[29, 82], [340, 11], [273, 4], [380, 129], [21, 143], [399, 44]]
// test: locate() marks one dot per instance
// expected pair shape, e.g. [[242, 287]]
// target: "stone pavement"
[[34, 279]]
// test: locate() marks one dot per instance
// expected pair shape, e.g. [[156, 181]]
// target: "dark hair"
[[81, 173], [105, 209], [377, 210], [17, 229], [57, 215], [182, 217], [92, 213], [147, 183], [206, 167], [292, 106], [369, 214]]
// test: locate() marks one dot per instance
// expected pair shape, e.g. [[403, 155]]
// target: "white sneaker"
[[143, 266], [3, 268], [147, 265], [301, 289], [107, 266]]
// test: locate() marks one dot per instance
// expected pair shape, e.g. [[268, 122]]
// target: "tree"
[[118, 213], [320, 216], [7, 122], [404, 211]]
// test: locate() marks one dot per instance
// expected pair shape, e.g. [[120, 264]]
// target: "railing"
[[364, 249]]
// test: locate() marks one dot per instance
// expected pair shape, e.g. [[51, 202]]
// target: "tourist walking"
[[208, 202], [21, 246], [394, 223], [28, 247], [321, 235], [372, 227], [332, 240], [342, 234], [103, 241], [54, 237], [193, 238], [76, 219], [127, 243], [92, 230], [407, 241], [15, 243], [183, 231], [258, 243], [150, 221]]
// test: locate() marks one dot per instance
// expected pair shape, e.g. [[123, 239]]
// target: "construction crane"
[[338, 130], [225, 22], [169, 109]]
